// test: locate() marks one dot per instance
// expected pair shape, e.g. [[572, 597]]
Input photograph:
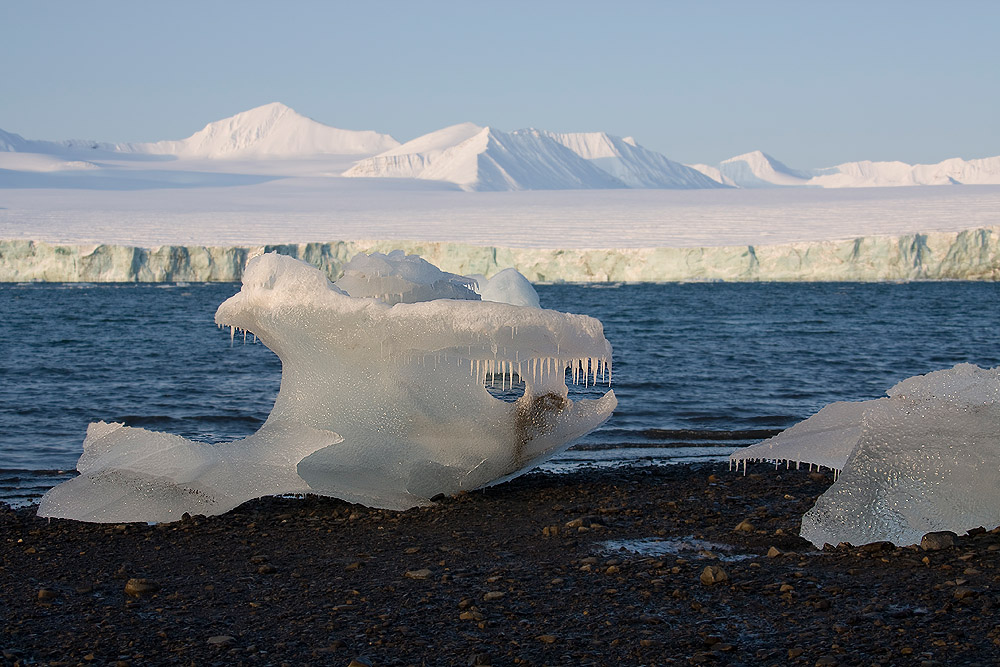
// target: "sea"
[[700, 369]]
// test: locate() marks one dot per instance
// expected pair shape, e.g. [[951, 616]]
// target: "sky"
[[812, 83]]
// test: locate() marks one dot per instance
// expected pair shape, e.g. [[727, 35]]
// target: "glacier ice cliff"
[[967, 255], [925, 458], [384, 397]]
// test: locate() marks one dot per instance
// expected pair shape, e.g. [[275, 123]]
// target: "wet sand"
[[531, 572]]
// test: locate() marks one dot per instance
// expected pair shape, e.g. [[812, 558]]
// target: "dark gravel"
[[498, 577]]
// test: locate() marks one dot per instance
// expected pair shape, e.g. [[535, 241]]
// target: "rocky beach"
[[683, 564]]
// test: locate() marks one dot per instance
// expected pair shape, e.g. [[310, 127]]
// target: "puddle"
[[686, 547]]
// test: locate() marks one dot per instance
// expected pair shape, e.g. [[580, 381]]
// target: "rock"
[[547, 639], [140, 587], [773, 552], [221, 639], [493, 595], [550, 531], [361, 661], [266, 569], [744, 527], [47, 594], [422, 573], [876, 547], [479, 660], [962, 593], [826, 661], [935, 541], [713, 574]]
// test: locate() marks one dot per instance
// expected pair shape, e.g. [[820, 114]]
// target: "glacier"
[[924, 458], [972, 254], [384, 397]]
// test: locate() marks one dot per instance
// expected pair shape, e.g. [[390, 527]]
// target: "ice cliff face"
[[968, 255]]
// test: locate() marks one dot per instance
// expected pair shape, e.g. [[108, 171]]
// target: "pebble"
[[422, 573], [744, 527], [361, 661], [493, 595], [141, 587], [773, 552], [47, 595], [221, 639], [713, 574], [547, 639], [937, 540]]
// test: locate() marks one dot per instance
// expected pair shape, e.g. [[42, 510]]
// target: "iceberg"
[[924, 458], [384, 397]]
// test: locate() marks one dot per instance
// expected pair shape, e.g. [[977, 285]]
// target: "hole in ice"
[[689, 547], [508, 391]]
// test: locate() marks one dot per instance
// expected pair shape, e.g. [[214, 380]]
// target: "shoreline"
[[529, 572]]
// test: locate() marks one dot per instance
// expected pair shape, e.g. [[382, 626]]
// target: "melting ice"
[[925, 458], [383, 397]]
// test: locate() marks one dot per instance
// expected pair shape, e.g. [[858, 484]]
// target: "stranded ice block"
[[383, 397]]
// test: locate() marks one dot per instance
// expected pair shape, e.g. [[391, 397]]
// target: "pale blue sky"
[[812, 83]]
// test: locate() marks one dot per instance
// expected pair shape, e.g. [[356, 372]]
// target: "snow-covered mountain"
[[867, 174], [630, 163], [754, 170], [484, 158], [15, 143], [760, 170], [263, 142], [272, 130]]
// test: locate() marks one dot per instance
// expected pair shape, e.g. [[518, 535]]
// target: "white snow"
[[486, 159], [630, 163], [926, 458], [759, 170], [380, 404], [272, 130]]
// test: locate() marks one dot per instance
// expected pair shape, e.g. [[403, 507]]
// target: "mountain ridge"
[[475, 157]]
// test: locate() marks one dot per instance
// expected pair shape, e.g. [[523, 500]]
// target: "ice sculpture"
[[507, 286], [380, 404], [925, 458]]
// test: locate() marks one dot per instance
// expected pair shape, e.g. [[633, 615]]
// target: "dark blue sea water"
[[694, 364]]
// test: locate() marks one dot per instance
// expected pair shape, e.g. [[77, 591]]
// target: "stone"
[[493, 595], [547, 639], [47, 594], [141, 587], [744, 527], [713, 574], [361, 661], [221, 639], [422, 573], [773, 552], [938, 540]]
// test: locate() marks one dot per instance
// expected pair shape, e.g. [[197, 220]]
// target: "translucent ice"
[[925, 458], [401, 278], [383, 398], [131, 474], [507, 286]]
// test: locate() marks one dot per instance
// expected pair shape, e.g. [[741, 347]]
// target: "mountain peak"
[[273, 129]]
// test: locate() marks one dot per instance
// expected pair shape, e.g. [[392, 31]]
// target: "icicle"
[[232, 335]]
